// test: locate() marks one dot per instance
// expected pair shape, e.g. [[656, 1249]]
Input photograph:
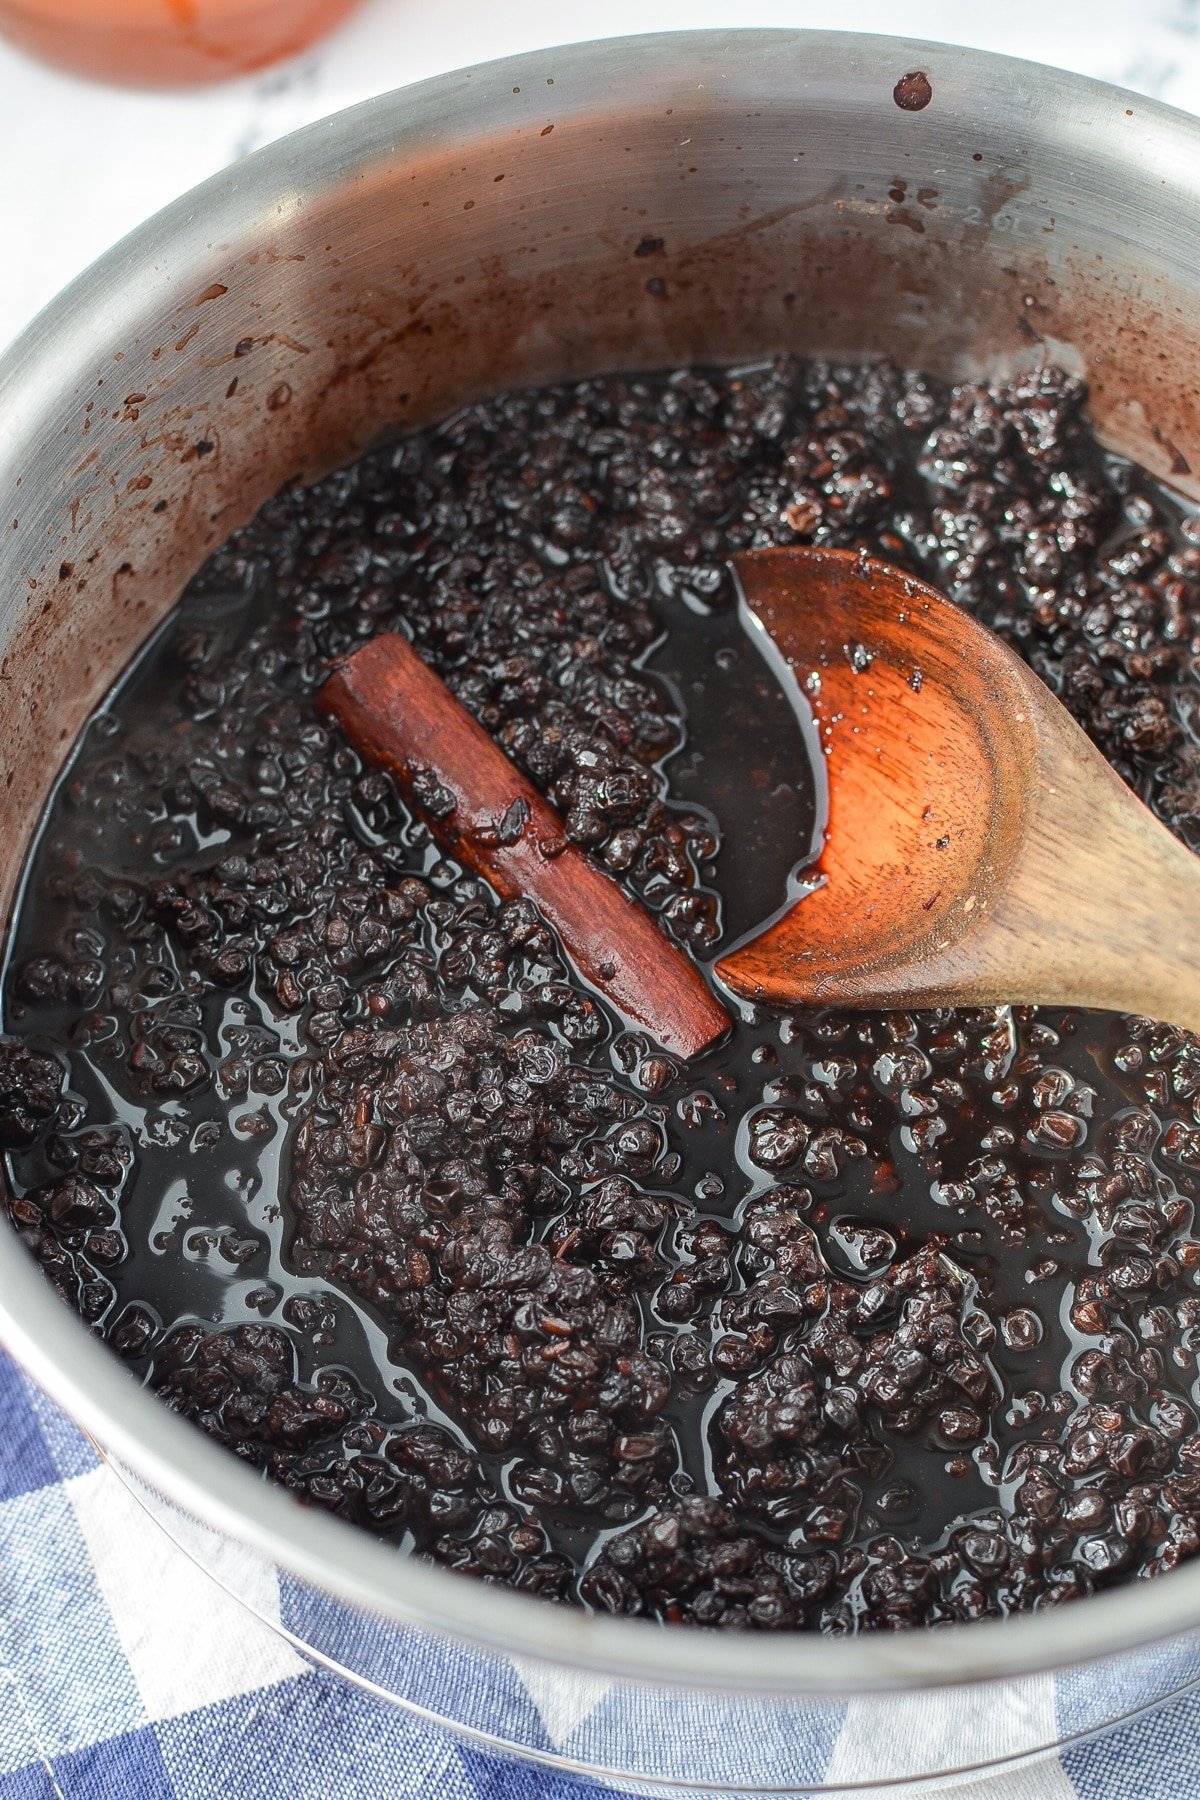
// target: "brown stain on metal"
[[1179, 462], [289, 343], [913, 92], [900, 215]]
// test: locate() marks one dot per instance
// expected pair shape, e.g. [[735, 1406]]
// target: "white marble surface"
[[82, 164]]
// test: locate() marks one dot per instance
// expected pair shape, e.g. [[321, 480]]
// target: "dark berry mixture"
[[859, 1321]]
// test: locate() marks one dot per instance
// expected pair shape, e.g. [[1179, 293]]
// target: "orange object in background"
[[166, 43]]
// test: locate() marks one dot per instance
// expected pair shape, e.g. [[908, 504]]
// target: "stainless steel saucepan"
[[480, 230]]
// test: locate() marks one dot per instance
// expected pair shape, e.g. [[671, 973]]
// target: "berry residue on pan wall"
[[859, 1321]]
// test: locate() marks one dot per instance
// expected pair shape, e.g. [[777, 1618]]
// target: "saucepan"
[[820, 192]]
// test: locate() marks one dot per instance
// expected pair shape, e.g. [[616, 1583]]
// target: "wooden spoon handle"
[[1102, 907]]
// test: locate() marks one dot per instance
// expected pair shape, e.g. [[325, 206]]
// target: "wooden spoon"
[[979, 849]]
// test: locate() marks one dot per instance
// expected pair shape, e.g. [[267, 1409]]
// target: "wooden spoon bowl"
[[979, 849]]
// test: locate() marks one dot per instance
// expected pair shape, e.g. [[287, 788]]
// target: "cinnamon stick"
[[399, 714]]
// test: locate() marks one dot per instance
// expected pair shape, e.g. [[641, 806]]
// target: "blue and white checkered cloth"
[[127, 1673]]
